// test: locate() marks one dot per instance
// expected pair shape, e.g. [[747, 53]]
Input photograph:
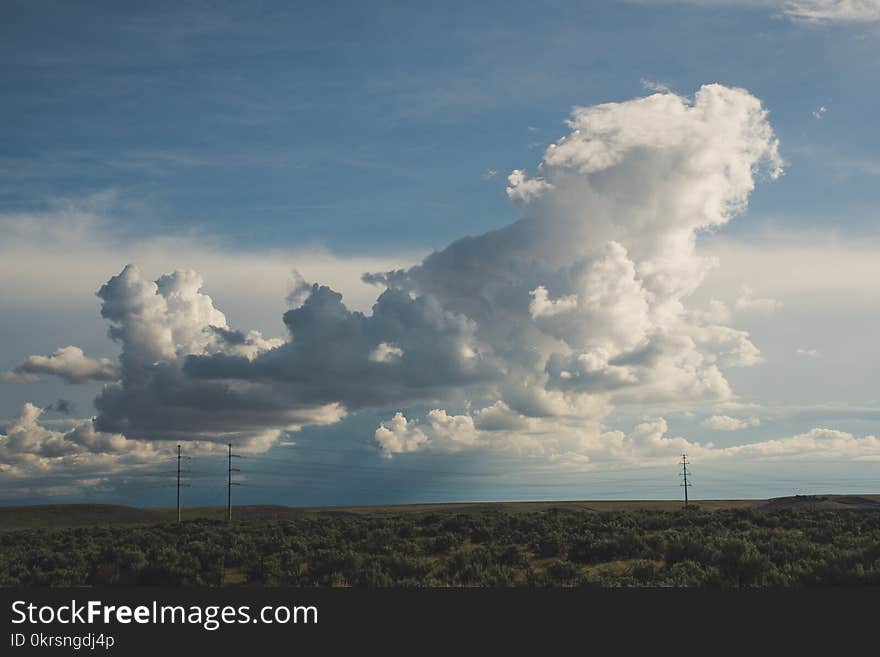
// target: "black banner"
[[240, 620]]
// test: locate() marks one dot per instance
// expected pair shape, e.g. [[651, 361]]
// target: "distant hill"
[[90, 515], [823, 502]]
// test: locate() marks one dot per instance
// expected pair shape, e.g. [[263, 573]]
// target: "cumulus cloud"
[[28, 447], [499, 428], [586, 295], [491, 428], [398, 436], [727, 423], [647, 444], [543, 306], [159, 325], [47, 461], [582, 304], [564, 440], [520, 188], [332, 355], [815, 443], [69, 363]]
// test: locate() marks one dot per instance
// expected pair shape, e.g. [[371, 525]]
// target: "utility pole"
[[684, 475], [179, 485], [230, 484]]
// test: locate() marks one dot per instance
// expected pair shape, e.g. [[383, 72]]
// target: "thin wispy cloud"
[[728, 423], [819, 12], [833, 11], [654, 86], [748, 301]]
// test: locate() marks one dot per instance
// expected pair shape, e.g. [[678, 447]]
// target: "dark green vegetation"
[[809, 541], [62, 516], [57, 516]]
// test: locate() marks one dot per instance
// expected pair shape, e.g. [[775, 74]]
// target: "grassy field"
[[796, 541]]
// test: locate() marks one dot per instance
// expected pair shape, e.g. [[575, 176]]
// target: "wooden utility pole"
[[178, 483], [230, 484], [684, 475]]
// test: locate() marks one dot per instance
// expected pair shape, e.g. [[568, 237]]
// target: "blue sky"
[[248, 141], [350, 124]]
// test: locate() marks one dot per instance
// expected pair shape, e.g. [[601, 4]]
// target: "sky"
[[401, 253]]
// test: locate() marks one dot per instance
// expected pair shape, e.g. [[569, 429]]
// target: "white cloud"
[[499, 417], [27, 447], [621, 267], [69, 363], [385, 353], [609, 225], [820, 112], [804, 11], [647, 444], [727, 423], [398, 436], [543, 306], [657, 87], [716, 313], [443, 432], [747, 301], [815, 443], [44, 461], [833, 11], [523, 189]]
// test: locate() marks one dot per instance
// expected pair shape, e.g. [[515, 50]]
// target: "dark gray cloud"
[[332, 352], [328, 365], [62, 406]]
